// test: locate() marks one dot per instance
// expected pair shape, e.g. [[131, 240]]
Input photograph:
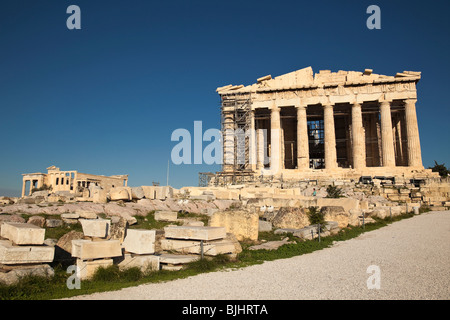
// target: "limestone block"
[[120, 193], [243, 224], [10, 254], [53, 223], [353, 218], [23, 233], [149, 192], [86, 269], [63, 247], [37, 221], [137, 193], [140, 241], [285, 230], [87, 249], [146, 262], [290, 218], [271, 245], [177, 258], [346, 203], [99, 196], [336, 213], [166, 215], [306, 233], [95, 227], [195, 233], [17, 273], [210, 248], [118, 228], [264, 226], [191, 222], [329, 225], [86, 214], [70, 215]]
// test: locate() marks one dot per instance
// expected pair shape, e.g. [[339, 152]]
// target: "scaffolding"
[[235, 114]]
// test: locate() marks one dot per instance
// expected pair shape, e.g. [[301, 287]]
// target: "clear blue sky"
[[105, 99]]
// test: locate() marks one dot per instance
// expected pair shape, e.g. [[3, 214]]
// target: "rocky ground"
[[412, 257]]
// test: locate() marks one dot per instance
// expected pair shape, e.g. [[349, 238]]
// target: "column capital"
[[385, 102], [410, 101], [356, 105], [301, 106], [274, 108]]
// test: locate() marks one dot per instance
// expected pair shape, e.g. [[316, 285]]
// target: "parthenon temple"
[[304, 125]]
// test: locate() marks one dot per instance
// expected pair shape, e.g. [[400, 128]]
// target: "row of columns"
[[357, 134]]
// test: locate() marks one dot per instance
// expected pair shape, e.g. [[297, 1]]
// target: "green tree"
[[443, 171], [315, 216]]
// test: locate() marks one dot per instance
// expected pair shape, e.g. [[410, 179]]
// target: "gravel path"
[[413, 256]]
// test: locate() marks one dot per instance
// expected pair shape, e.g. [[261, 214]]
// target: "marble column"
[[261, 140], [330, 137], [302, 138], [358, 138], [252, 142], [387, 138], [275, 140], [412, 134], [228, 142], [24, 185]]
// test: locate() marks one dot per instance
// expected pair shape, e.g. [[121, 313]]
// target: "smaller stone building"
[[70, 181]]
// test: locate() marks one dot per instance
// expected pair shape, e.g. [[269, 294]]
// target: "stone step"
[[195, 232]]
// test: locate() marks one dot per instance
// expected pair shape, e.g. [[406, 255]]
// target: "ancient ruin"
[[69, 181], [345, 145], [303, 125]]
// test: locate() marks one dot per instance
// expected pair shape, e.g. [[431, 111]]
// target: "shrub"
[[315, 216], [334, 192], [441, 169]]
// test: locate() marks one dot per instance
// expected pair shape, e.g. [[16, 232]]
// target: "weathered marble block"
[[211, 248], [87, 249], [23, 233], [145, 262], [176, 259], [86, 269], [166, 216], [95, 227], [10, 254], [195, 233], [140, 241]]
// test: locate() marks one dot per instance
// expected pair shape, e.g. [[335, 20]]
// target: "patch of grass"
[[149, 222], [209, 264]]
